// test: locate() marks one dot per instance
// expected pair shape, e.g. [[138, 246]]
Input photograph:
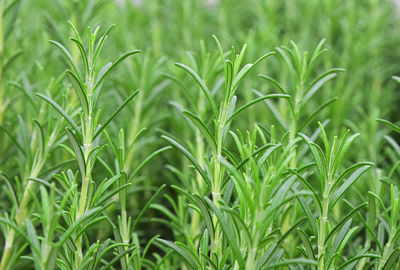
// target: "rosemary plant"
[[223, 160]]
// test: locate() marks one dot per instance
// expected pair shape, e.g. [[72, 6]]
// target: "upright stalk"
[[2, 109], [22, 211], [390, 245], [323, 220], [323, 224], [21, 214], [88, 138], [218, 170], [87, 88]]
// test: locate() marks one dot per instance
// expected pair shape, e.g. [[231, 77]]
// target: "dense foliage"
[[199, 134]]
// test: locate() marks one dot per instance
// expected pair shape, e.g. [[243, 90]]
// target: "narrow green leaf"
[[246, 69], [102, 76], [10, 60], [143, 210], [83, 54], [309, 214], [68, 55], [86, 216], [357, 258], [147, 160], [9, 7], [275, 113], [42, 142], [12, 138], [343, 220], [206, 214], [255, 101], [389, 124], [392, 260], [320, 81], [101, 42], [114, 114], [312, 115], [61, 111], [35, 245], [78, 151], [228, 233], [339, 238], [191, 251], [186, 257], [318, 156], [11, 188], [307, 244], [274, 82], [202, 85], [266, 257], [118, 257], [305, 182], [347, 183], [105, 185], [190, 157], [291, 262], [202, 127]]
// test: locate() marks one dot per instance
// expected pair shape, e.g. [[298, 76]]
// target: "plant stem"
[[20, 215], [323, 224], [22, 210], [387, 251], [216, 192], [2, 109], [87, 147], [216, 187], [322, 233]]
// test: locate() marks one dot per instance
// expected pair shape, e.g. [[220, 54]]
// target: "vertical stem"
[[387, 251], [21, 213], [322, 233], [20, 216], [323, 224], [7, 249], [2, 109], [216, 192], [216, 188], [87, 147], [125, 233]]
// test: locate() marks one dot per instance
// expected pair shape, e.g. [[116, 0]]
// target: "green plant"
[[8, 16], [208, 163]]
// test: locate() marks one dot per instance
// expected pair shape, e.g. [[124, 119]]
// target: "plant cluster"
[[262, 157]]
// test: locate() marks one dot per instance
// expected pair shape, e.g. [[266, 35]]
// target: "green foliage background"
[[188, 183]]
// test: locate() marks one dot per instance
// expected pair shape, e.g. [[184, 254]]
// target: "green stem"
[[22, 210], [323, 225], [20, 215], [387, 251], [87, 147], [2, 108], [216, 186], [216, 192]]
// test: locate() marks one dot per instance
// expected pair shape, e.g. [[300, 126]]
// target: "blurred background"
[[361, 37]]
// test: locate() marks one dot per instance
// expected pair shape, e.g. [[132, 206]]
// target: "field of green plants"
[[199, 134]]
